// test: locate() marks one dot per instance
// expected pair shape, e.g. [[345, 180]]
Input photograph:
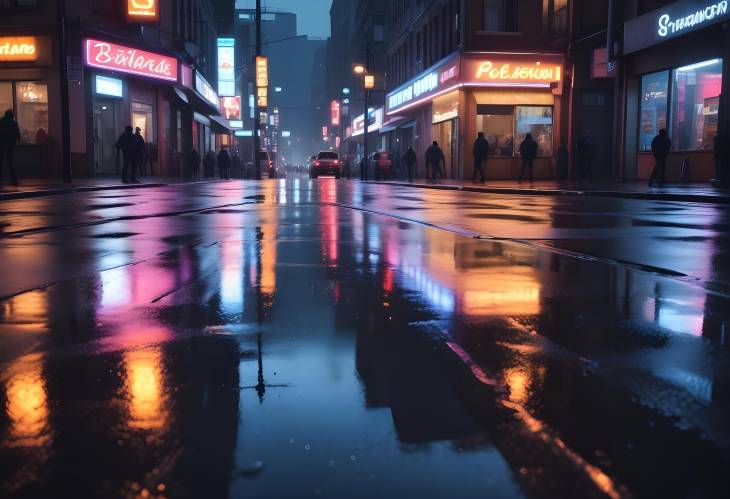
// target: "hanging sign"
[[143, 11]]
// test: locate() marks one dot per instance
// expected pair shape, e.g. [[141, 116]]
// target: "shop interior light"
[[698, 65]]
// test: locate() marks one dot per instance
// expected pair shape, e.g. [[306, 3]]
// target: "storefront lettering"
[[130, 60], [668, 26], [419, 87], [21, 48], [507, 71]]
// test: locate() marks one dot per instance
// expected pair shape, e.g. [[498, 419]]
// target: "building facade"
[[149, 69], [456, 68]]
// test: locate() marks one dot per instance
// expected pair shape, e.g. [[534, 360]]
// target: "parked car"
[[380, 165], [326, 163]]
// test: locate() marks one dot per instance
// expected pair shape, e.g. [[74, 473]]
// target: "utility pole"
[[364, 171], [256, 111], [65, 122]]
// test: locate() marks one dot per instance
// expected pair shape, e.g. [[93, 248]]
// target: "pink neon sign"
[[105, 55]]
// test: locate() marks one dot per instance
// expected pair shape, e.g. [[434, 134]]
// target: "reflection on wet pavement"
[[298, 346]]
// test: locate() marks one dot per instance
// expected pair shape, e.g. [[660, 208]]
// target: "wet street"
[[299, 338]]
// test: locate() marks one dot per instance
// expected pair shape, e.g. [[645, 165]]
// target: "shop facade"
[[676, 79], [29, 86], [503, 95]]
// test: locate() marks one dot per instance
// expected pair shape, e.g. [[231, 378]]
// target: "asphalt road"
[[302, 338]]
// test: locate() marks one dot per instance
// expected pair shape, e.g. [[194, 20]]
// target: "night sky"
[[313, 16]]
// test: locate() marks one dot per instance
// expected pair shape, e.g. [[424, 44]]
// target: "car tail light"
[[316, 163], [336, 162]]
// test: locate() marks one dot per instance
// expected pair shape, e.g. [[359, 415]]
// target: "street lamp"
[[368, 83], [359, 68]]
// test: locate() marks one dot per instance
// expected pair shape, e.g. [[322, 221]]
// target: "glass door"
[[105, 137]]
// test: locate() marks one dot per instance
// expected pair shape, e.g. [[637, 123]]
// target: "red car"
[[326, 163]]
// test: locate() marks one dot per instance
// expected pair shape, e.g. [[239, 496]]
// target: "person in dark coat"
[[9, 138], [224, 163], [209, 164], [528, 152], [435, 157], [480, 153], [562, 159], [585, 151], [660, 147], [126, 144], [194, 164], [140, 157], [236, 164], [722, 157], [410, 159]]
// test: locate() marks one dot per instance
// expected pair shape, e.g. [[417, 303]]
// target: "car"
[[381, 164], [325, 163]]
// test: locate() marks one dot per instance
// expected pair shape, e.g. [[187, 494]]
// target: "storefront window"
[[538, 121], [695, 101], [497, 123], [6, 97], [142, 118], [654, 93], [32, 111]]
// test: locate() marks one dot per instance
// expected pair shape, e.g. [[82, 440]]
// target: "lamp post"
[[65, 119], [368, 84]]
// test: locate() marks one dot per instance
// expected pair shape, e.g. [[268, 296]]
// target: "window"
[[506, 126], [654, 99], [695, 101], [555, 16], [497, 123], [500, 15], [537, 121], [684, 100], [142, 118], [31, 99], [6, 97]]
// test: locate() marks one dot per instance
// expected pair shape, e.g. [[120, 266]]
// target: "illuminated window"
[[505, 128], [6, 97], [654, 93], [537, 121], [497, 123], [31, 99]]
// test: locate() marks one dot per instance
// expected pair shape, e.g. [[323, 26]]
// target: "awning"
[[181, 95], [219, 124], [392, 124]]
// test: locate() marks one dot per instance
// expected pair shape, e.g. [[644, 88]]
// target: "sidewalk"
[[30, 188], [700, 193]]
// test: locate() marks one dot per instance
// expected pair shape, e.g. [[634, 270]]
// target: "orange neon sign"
[[18, 48], [143, 10], [516, 72]]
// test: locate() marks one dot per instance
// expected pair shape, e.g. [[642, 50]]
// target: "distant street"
[[324, 338]]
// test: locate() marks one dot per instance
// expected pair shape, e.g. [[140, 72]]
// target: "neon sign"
[[206, 90], [518, 72], [231, 107], [666, 25], [105, 55], [226, 67], [335, 108], [112, 87], [18, 49]]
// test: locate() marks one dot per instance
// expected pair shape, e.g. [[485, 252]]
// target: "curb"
[[646, 196], [88, 188]]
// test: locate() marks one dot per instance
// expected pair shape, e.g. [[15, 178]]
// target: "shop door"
[[105, 137], [446, 134]]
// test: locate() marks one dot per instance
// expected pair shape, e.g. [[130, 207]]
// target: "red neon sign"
[[335, 113], [105, 55]]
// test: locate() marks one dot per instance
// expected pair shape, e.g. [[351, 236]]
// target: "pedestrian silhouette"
[[236, 164], [140, 155], [127, 145], [480, 153], [410, 159], [660, 147], [9, 138], [209, 164], [435, 157], [585, 152], [563, 161], [528, 152], [194, 159], [224, 163]]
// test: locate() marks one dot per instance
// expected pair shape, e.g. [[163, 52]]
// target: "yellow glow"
[[18, 48], [27, 404], [358, 69], [517, 381], [518, 71], [369, 81], [145, 389]]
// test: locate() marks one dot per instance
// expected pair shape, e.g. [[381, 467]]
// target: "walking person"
[[562, 159], [209, 164], [126, 144], [660, 147], [9, 138], [410, 159], [585, 152], [224, 163], [140, 156], [236, 164], [528, 152], [195, 160], [435, 157], [481, 153]]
